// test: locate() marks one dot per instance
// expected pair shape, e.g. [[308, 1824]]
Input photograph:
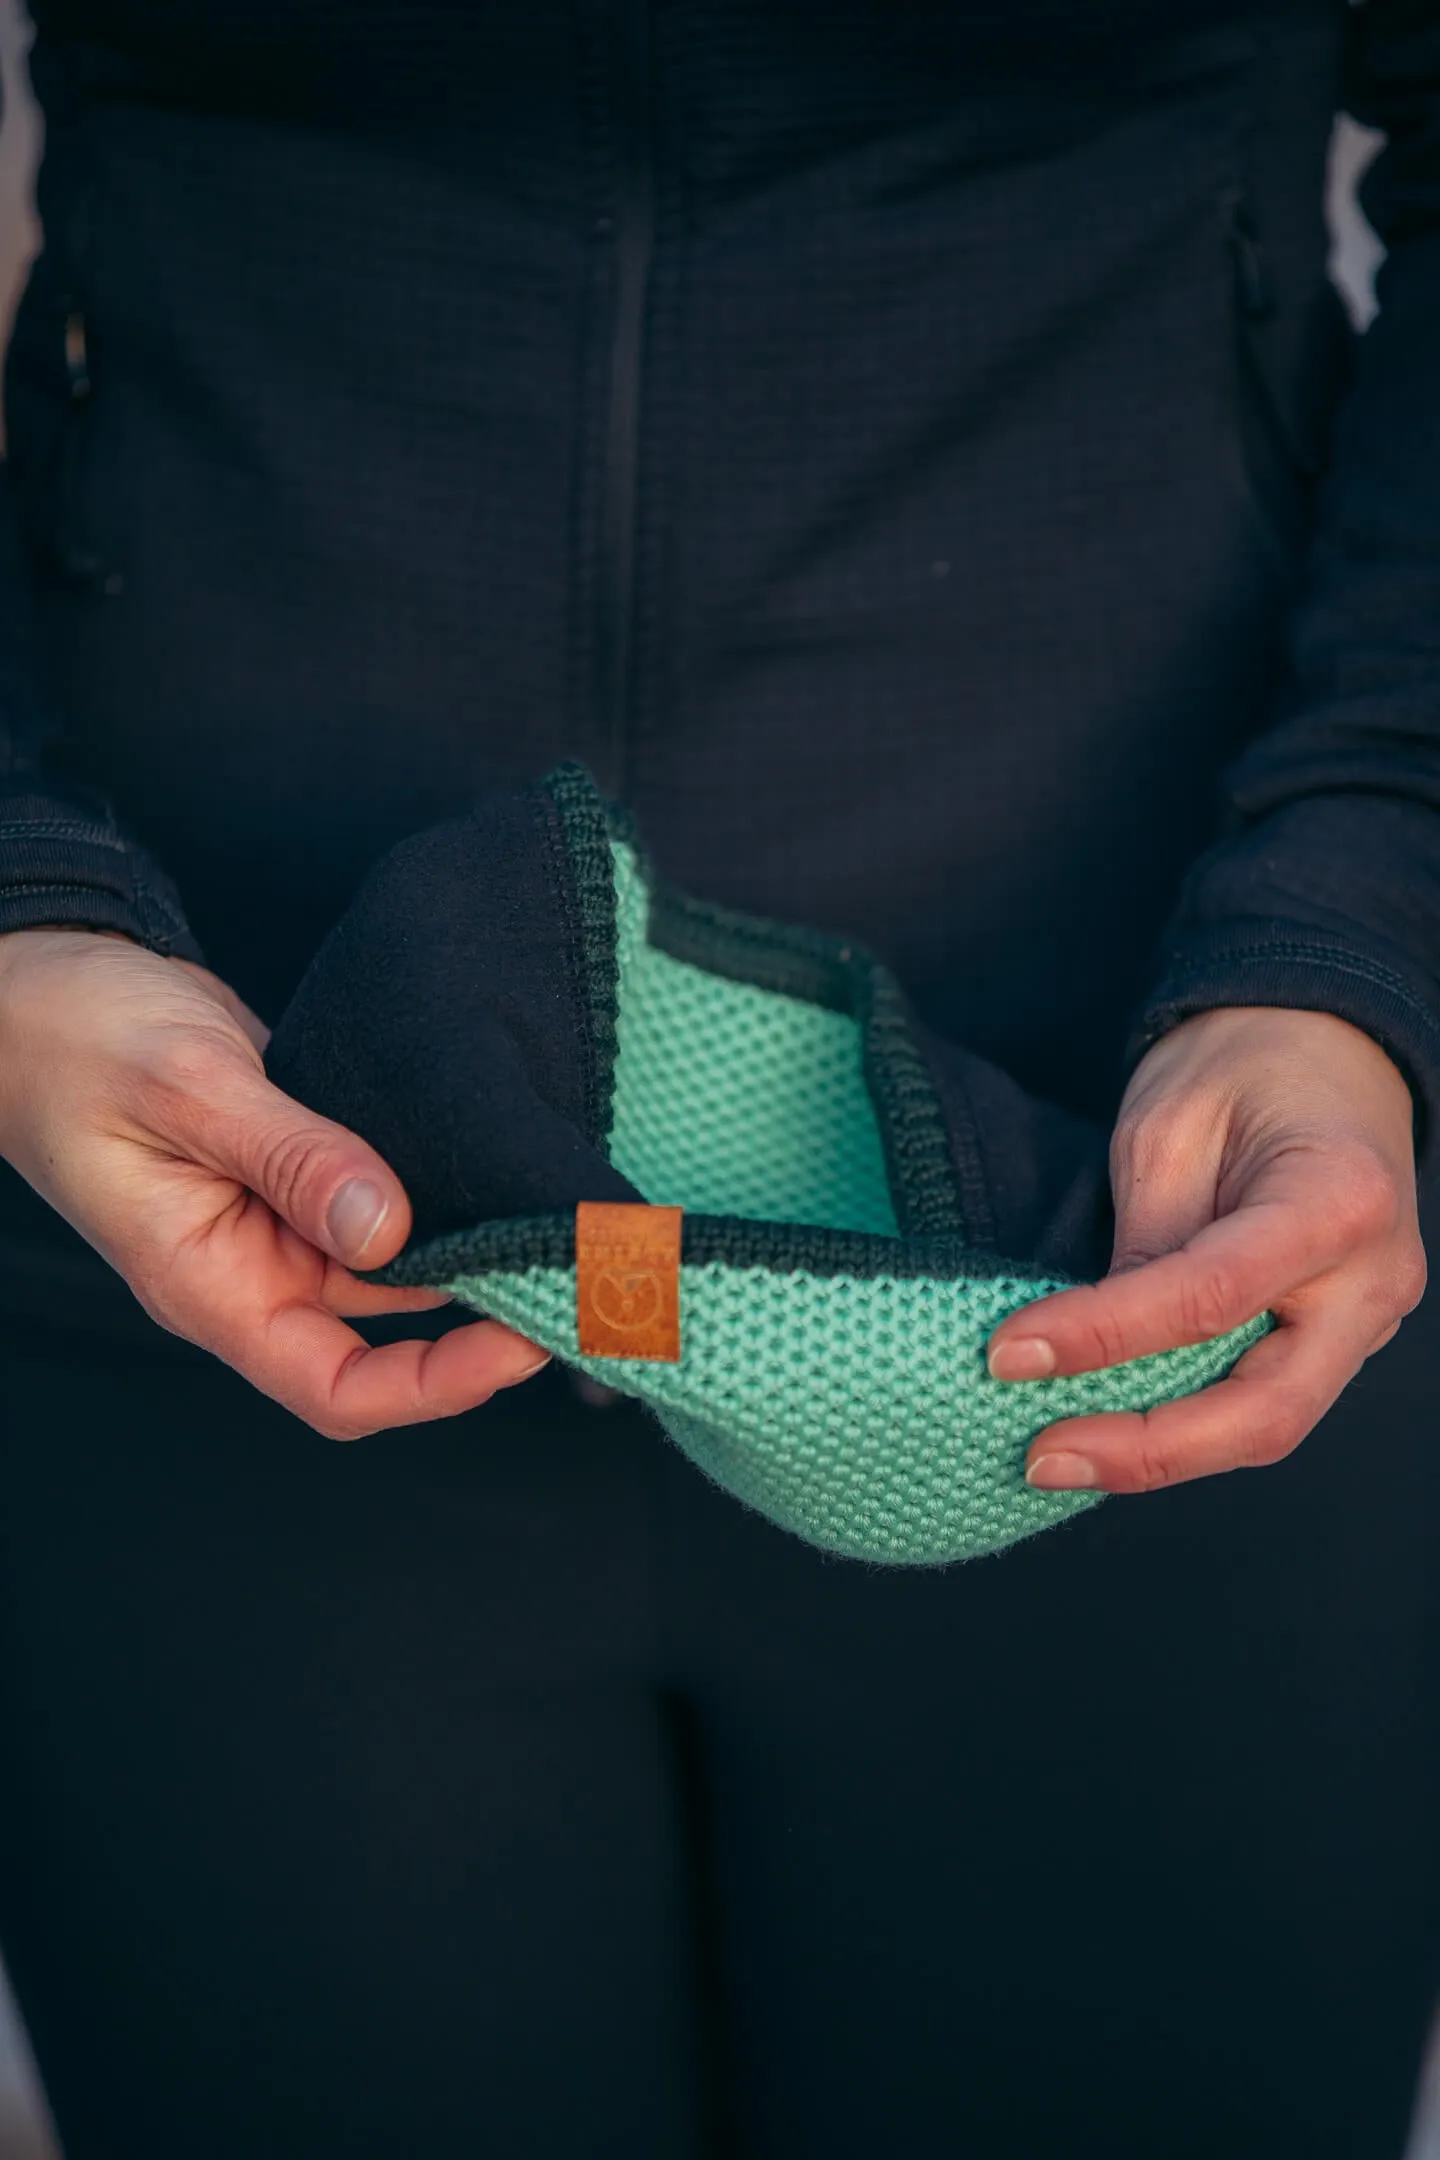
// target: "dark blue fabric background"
[[982, 399], [1009, 556]]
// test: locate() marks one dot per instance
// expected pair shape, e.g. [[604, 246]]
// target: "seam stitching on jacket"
[[1371, 971], [56, 829]]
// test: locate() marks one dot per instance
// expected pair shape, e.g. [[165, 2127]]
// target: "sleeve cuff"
[[63, 863], [1294, 965]]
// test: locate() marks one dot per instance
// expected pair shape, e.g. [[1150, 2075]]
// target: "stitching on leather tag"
[[627, 1280]]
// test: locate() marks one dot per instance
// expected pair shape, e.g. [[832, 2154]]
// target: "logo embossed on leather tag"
[[627, 1280]]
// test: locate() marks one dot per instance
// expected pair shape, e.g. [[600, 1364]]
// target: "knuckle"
[[1389, 1293], [1410, 1277], [1268, 1442], [1103, 1340], [182, 1074], [1275, 1432], [1137, 1243], [342, 1431], [1208, 1303], [187, 1061], [1150, 1151], [1366, 1204], [333, 1424], [326, 1409], [290, 1161], [1155, 1468]]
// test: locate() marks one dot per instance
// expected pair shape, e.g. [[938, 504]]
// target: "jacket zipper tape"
[[633, 246]]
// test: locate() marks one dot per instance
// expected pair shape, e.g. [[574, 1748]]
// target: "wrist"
[[1310, 1070], [1287, 1032], [16, 946]]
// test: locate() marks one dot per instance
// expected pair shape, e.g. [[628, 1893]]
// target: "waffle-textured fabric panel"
[[857, 1411], [733, 1100], [836, 1287]]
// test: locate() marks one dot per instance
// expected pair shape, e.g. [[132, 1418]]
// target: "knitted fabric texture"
[[835, 1301]]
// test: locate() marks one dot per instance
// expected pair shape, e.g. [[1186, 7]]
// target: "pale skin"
[[1262, 1160], [134, 1100]]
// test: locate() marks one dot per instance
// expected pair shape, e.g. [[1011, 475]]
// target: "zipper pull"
[[1254, 286]]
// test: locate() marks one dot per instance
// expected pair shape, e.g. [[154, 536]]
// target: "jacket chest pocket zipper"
[[1280, 482]]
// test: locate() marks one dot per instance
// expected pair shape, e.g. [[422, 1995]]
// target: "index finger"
[[353, 1298], [1277, 1392], [315, 1365], [1221, 1277]]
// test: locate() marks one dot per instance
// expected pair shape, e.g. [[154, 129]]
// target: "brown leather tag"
[[627, 1280]]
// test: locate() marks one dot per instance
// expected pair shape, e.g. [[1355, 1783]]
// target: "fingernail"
[[1021, 1357], [1061, 1473], [527, 1372], [356, 1213]]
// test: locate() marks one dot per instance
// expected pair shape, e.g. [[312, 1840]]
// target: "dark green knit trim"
[[926, 1159], [548, 1241], [937, 1180], [844, 978], [588, 896], [782, 957], [596, 1071]]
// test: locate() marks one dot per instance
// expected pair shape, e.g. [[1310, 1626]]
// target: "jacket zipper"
[[633, 241]]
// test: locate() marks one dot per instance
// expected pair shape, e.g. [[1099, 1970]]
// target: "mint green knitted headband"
[[833, 1314]]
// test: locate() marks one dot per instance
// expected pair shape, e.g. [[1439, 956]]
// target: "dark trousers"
[[497, 1788]]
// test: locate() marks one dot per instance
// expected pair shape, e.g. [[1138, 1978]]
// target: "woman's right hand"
[[133, 1098]]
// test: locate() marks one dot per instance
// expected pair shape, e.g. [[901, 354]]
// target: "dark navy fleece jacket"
[[912, 455]]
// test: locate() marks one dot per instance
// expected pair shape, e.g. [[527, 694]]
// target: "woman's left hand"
[[1262, 1160]]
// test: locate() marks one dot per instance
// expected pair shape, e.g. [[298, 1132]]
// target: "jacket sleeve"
[[64, 857], [1324, 890]]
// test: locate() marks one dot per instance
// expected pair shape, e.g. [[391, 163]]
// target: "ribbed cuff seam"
[[1305, 973]]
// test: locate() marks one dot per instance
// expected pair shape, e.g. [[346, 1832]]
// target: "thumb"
[[325, 1182], [1160, 1207]]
